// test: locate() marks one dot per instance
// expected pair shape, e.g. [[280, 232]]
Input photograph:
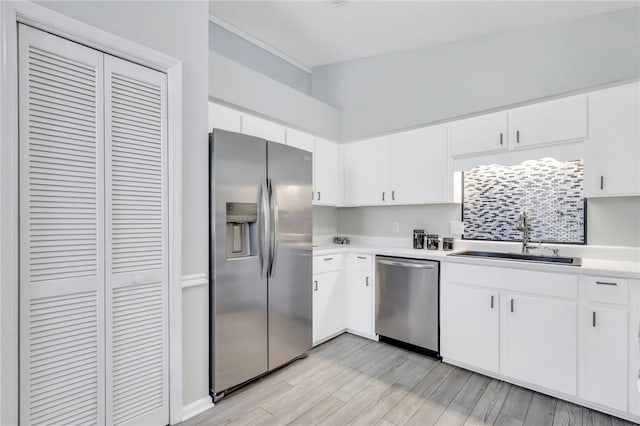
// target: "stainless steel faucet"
[[523, 225]]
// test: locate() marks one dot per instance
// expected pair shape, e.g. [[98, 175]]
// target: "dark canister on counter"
[[447, 243], [432, 242], [418, 238]]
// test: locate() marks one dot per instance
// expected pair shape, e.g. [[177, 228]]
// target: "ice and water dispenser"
[[242, 232]]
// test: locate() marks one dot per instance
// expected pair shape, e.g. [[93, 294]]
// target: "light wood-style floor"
[[351, 380]]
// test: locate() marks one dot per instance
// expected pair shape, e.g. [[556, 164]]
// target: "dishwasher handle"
[[405, 264]]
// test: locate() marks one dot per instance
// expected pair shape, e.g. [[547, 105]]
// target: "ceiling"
[[319, 32]]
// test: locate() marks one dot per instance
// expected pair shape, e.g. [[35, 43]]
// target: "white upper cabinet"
[[366, 172], [221, 117], [554, 121], [560, 120], [405, 168], [300, 139], [328, 173], [479, 134], [262, 128], [418, 166], [612, 153]]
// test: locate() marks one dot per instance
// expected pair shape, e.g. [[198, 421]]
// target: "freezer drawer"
[[407, 306]]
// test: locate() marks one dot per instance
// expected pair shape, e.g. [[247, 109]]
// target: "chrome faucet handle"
[[556, 252]]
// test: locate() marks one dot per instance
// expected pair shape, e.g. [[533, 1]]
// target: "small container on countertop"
[[432, 242], [447, 243], [418, 238]]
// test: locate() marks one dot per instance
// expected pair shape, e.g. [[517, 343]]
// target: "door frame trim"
[[12, 13]]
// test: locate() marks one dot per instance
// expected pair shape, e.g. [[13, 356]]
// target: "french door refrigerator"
[[260, 257]]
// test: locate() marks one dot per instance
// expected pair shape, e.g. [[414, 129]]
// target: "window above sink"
[[549, 191]]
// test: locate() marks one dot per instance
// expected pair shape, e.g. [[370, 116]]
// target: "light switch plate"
[[456, 228]]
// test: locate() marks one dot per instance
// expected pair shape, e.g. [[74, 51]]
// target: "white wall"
[[613, 221], [178, 29], [325, 220], [244, 88], [610, 221], [407, 89], [378, 221], [248, 54]]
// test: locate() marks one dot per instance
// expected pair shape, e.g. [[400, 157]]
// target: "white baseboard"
[[196, 407]]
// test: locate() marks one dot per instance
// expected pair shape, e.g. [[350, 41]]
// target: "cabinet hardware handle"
[[606, 283], [601, 182], [511, 305], [393, 195], [362, 257], [366, 281], [313, 195], [383, 196], [501, 143], [318, 195], [518, 136], [328, 258], [594, 318], [491, 301], [316, 285]]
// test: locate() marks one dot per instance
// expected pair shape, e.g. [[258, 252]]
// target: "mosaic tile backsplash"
[[549, 191]]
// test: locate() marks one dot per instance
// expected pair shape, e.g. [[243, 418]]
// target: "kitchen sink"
[[521, 257]]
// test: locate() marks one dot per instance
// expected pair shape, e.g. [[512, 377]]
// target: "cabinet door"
[[300, 139], [137, 281], [603, 356], [367, 173], [328, 181], [612, 153], [319, 309], [479, 134], [359, 288], [418, 169], [555, 121], [221, 117], [471, 326], [261, 128], [328, 306], [539, 342]]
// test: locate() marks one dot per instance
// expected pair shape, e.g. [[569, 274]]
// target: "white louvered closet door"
[[137, 272], [62, 341]]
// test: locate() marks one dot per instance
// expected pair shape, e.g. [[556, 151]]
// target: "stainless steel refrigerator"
[[260, 257]]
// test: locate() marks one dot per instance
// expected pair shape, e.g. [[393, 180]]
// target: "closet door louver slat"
[[137, 275], [62, 231]]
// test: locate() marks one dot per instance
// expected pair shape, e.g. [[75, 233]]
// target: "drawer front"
[[327, 263], [608, 290], [519, 280], [362, 262]]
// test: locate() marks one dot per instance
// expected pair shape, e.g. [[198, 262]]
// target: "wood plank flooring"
[[355, 381]]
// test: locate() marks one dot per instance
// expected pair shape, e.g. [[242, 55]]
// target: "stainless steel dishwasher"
[[407, 302]]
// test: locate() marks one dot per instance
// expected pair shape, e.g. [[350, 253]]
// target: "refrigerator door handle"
[[265, 223], [273, 250]]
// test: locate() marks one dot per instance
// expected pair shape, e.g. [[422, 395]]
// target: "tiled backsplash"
[[549, 191]]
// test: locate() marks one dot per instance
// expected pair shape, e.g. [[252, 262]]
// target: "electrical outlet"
[[456, 228], [396, 227]]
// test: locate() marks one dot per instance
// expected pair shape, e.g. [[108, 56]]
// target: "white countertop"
[[590, 265]]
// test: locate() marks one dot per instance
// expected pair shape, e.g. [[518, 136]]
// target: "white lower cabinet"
[[539, 342], [571, 335], [328, 301], [472, 324], [360, 290], [603, 355]]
